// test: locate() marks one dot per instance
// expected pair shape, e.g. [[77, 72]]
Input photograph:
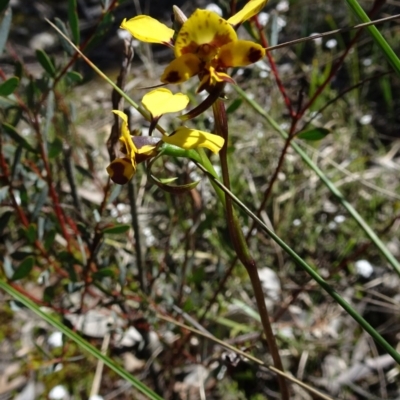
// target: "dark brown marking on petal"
[[254, 54], [118, 170], [173, 77], [190, 48]]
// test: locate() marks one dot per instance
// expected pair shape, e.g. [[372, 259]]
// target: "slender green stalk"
[[334, 190], [79, 340], [376, 35]]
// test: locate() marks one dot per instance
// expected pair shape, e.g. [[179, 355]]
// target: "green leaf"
[[46, 62], [174, 189], [24, 268], [9, 86], [64, 43], [55, 147], [41, 200], [31, 233], [49, 293], [116, 229], [16, 162], [73, 77], [13, 134], [74, 21], [165, 181], [5, 26], [314, 134], [49, 240], [4, 220], [234, 106]]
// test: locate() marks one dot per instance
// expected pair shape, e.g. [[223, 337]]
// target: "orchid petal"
[[192, 138], [121, 170], [125, 135], [252, 8], [148, 30], [162, 101], [203, 33], [240, 54], [181, 69]]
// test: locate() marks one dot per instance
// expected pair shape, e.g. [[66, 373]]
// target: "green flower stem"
[[376, 35], [333, 189], [79, 340], [241, 248]]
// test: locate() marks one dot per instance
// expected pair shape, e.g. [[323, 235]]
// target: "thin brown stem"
[[242, 251]]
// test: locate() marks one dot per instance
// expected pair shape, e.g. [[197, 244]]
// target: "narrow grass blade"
[[333, 189], [376, 35], [79, 340]]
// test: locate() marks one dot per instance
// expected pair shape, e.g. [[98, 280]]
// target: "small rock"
[[364, 268], [42, 41]]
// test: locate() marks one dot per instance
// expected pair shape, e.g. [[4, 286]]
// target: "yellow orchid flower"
[[121, 170], [206, 45]]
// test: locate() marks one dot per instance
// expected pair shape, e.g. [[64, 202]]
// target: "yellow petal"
[[240, 54], [181, 69], [125, 135], [148, 150], [121, 170], [218, 76], [148, 30], [252, 8], [202, 34], [192, 138], [162, 101]]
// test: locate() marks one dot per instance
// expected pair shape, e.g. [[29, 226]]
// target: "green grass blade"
[[79, 341], [376, 35], [333, 189]]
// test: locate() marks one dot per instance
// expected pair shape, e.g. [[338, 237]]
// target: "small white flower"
[[263, 18], [58, 393], [331, 43], [367, 62], [365, 119], [339, 219], [55, 339], [282, 6], [364, 268]]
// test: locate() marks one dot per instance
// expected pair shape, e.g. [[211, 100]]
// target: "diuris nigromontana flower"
[[137, 149], [206, 45]]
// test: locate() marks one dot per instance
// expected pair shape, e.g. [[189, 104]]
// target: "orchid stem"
[[241, 248]]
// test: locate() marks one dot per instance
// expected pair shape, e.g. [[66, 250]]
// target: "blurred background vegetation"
[[116, 263]]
